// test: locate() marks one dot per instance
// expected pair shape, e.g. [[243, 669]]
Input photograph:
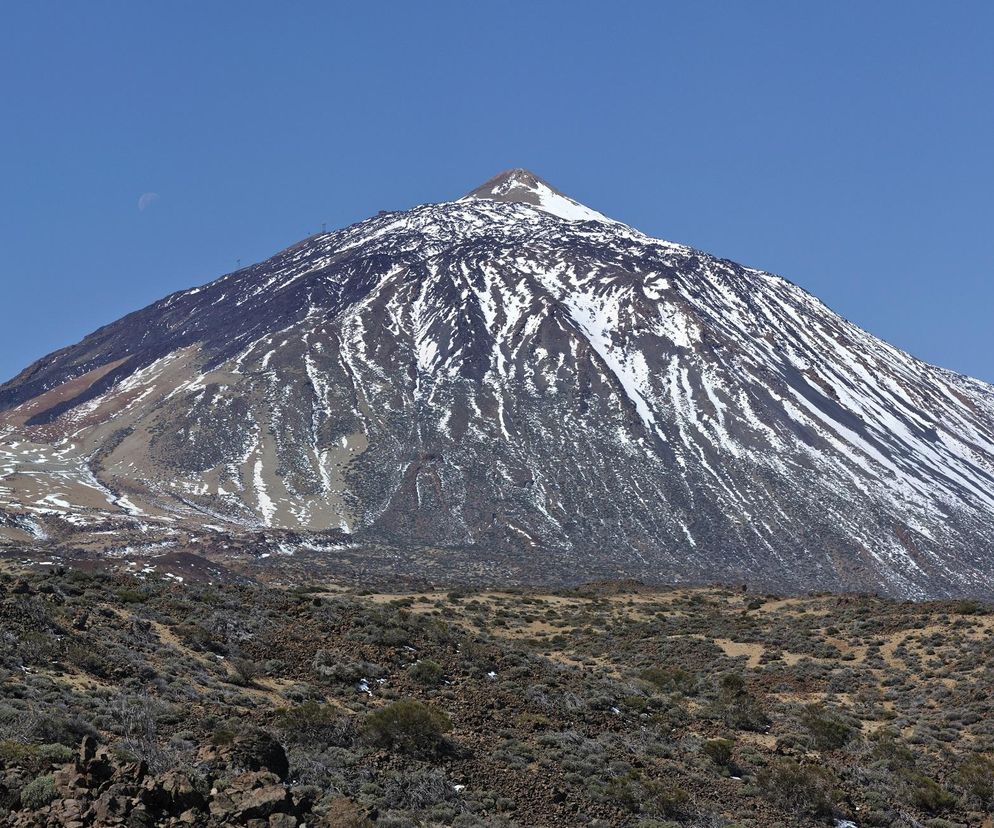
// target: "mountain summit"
[[526, 387], [524, 187]]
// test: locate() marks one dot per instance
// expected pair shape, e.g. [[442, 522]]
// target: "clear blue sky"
[[848, 146]]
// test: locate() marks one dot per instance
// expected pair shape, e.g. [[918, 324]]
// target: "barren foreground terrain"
[[139, 702]]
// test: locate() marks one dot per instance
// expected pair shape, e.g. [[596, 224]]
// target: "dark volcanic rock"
[[252, 750], [95, 791]]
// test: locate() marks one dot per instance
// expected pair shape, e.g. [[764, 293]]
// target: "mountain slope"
[[517, 375]]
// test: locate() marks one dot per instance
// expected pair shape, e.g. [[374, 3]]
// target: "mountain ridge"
[[537, 388]]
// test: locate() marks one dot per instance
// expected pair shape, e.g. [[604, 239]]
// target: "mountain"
[[527, 386]]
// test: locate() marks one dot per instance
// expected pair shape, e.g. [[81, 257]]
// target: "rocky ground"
[[245, 784], [130, 701]]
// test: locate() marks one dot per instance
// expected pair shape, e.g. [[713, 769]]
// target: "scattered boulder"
[[110, 807], [263, 803], [344, 813]]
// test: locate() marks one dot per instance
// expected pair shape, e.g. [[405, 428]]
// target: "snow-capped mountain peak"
[[544, 392], [524, 187]]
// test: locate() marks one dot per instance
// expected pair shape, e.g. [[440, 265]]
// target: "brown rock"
[[153, 797], [70, 781], [250, 780], [263, 802], [222, 806], [304, 797], [181, 793], [343, 813], [133, 772], [70, 811], [110, 809]]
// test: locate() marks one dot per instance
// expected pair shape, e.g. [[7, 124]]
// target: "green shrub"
[[313, 723], [663, 798], [224, 734], [131, 596], [968, 607], [719, 751], [407, 726], [802, 789], [35, 756], [532, 721], [244, 671], [56, 754], [928, 794], [623, 791], [38, 793], [654, 797], [670, 679], [17, 753], [427, 672], [976, 776], [737, 707], [329, 666], [198, 638], [828, 730], [892, 752]]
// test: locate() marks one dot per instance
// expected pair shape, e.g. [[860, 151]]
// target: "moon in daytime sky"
[[147, 200]]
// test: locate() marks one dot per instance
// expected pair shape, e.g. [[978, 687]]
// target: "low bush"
[[653, 797], [803, 789], [890, 751], [39, 792], [670, 679], [428, 673], [244, 672], [407, 726], [719, 751], [314, 724], [976, 776], [828, 730], [737, 707], [929, 795], [336, 671]]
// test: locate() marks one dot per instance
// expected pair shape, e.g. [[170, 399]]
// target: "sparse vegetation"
[[408, 726], [38, 792], [607, 705], [427, 672], [828, 730], [801, 789], [719, 751]]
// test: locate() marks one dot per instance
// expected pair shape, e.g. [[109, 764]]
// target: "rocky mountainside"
[[520, 379]]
